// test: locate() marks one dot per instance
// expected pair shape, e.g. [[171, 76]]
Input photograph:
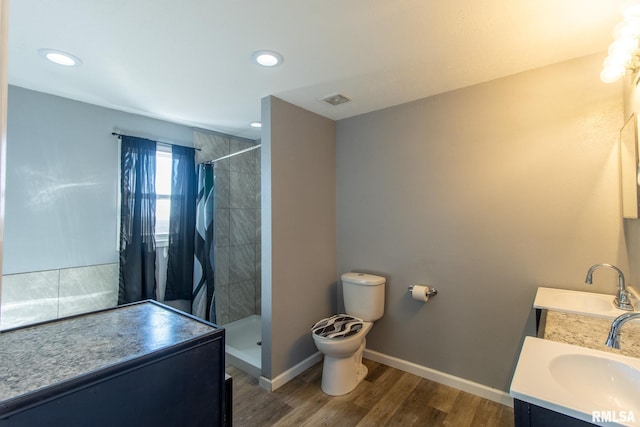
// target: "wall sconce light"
[[624, 56]]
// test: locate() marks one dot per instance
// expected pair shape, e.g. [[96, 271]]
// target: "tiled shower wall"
[[44, 295], [237, 224]]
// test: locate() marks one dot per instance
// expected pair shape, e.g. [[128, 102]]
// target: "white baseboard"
[[289, 374], [483, 391]]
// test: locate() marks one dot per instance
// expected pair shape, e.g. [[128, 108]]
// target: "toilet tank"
[[363, 295]]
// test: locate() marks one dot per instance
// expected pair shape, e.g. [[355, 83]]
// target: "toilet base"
[[341, 375]]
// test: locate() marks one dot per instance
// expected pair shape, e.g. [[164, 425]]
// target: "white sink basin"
[[577, 381], [577, 302], [617, 385], [589, 302]]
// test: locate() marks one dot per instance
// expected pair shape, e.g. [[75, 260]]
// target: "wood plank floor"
[[387, 397]]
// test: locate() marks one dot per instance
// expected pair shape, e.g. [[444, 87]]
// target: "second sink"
[[577, 302]]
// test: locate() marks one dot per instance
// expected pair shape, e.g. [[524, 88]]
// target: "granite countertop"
[[33, 358], [590, 332]]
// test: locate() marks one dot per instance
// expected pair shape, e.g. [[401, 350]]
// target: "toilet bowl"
[[342, 369], [341, 338]]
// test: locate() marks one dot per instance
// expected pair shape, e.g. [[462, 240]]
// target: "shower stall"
[[237, 250]]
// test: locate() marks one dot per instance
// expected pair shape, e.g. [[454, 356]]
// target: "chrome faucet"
[[621, 300], [613, 340]]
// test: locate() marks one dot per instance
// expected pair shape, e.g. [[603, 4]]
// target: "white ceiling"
[[189, 61]]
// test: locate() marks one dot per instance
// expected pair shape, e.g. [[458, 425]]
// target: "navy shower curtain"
[[203, 295], [182, 224], [137, 220]]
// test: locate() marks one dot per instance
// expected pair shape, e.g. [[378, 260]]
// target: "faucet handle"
[[623, 301]]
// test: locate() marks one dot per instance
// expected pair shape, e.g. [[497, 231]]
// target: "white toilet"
[[341, 338]]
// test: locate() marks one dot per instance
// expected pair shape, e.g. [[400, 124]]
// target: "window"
[[163, 193], [164, 163]]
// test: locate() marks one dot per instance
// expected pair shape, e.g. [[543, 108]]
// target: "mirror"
[[61, 254], [629, 167]]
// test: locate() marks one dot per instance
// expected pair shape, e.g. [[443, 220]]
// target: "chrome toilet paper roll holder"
[[431, 291]]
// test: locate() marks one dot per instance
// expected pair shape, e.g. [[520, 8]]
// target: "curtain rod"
[[119, 135], [210, 162]]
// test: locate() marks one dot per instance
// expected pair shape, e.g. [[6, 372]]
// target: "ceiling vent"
[[336, 99]]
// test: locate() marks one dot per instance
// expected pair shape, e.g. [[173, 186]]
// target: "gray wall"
[[486, 193], [298, 229], [62, 178]]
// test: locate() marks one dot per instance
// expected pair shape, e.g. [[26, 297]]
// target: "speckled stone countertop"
[[590, 332], [36, 357]]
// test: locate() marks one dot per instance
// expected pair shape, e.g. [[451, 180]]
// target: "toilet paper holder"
[[430, 290]]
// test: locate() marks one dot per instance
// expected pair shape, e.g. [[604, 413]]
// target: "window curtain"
[[182, 224], [137, 220], [203, 296]]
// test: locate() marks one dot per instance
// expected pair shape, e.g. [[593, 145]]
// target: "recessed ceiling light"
[[267, 58], [59, 57], [255, 124]]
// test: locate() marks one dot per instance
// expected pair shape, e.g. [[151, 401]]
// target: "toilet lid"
[[337, 326]]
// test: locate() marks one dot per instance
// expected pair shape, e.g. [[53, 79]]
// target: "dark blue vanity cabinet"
[[142, 364], [529, 415]]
